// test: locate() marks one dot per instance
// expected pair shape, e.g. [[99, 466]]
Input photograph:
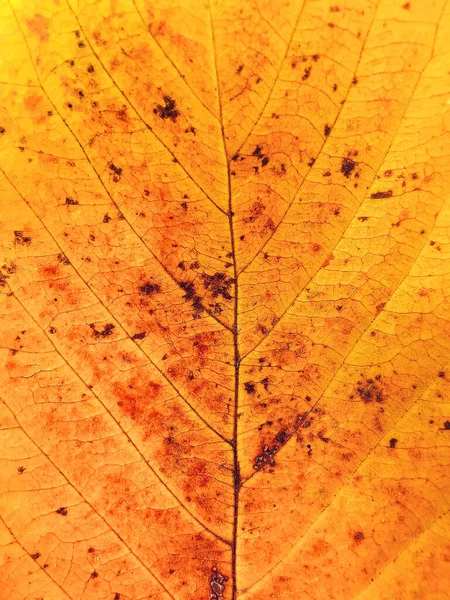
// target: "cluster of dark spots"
[[334, 9], [191, 130], [62, 258], [71, 202], [107, 330], [139, 336], [36, 555], [62, 511], [148, 289], [415, 176], [380, 195], [256, 210], [169, 110], [363, 219], [218, 284], [106, 218], [116, 170], [190, 295], [393, 443], [21, 239], [217, 585], [327, 130], [347, 167], [260, 156], [306, 73], [315, 57], [267, 457], [250, 387], [335, 87], [370, 391]]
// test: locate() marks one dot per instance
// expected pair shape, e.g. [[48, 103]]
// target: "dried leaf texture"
[[224, 307]]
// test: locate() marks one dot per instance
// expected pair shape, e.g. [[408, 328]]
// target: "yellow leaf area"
[[225, 300]]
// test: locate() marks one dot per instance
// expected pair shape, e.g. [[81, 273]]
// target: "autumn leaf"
[[225, 305]]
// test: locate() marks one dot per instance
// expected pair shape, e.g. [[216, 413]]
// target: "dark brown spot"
[[249, 387], [347, 166], [258, 152], [378, 195], [169, 110], [358, 535], [306, 73], [21, 469], [393, 442], [106, 218], [369, 391], [36, 555], [62, 511], [327, 130], [148, 289], [116, 170], [139, 336], [21, 239], [218, 284], [107, 330]]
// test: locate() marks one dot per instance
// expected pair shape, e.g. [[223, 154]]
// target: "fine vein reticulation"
[[225, 320]]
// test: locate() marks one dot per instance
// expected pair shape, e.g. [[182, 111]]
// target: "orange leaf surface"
[[225, 305]]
